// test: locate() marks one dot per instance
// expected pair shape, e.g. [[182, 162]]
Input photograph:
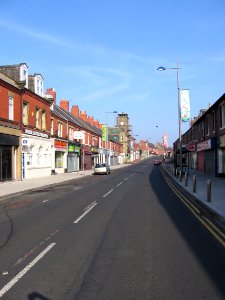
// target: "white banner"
[[185, 105]]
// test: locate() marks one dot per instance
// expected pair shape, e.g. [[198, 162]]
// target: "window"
[[38, 118], [59, 159], [207, 125], [25, 113], [43, 120], [213, 121], [222, 115], [59, 129], [52, 126], [71, 133], [11, 108]]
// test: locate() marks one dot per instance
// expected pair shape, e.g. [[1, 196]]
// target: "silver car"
[[102, 169]]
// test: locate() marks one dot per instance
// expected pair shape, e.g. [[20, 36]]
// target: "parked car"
[[157, 162], [102, 169]]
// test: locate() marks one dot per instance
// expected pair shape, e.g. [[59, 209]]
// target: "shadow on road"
[[211, 254]]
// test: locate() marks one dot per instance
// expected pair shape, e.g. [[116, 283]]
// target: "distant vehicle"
[[102, 169], [157, 162]]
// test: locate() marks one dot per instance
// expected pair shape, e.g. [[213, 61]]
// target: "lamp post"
[[107, 137], [179, 113]]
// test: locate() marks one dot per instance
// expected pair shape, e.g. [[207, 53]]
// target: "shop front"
[[221, 155], [59, 156], [73, 158], [94, 156], [36, 154], [10, 155], [86, 157], [206, 157]]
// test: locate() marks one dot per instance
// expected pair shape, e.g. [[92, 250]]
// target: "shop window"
[[25, 113], [11, 108], [59, 159]]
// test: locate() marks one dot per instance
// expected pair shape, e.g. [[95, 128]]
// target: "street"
[[120, 236]]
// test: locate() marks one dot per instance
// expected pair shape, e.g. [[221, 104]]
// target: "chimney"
[[52, 92], [91, 120], [96, 123], [83, 115], [64, 104], [75, 110]]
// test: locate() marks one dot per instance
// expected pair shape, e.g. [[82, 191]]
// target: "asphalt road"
[[120, 236]]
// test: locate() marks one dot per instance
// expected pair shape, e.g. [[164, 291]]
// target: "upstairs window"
[[43, 120], [11, 108], [25, 113], [59, 129], [222, 115], [52, 126], [213, 121], [38, 118]]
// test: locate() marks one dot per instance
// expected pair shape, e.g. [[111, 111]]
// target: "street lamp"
[[107, 136], [179, 113]]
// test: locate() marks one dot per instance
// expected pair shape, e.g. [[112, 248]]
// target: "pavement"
[[9, 188], [215, 205]]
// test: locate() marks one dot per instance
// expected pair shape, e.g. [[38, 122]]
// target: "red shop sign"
[[60, 144]]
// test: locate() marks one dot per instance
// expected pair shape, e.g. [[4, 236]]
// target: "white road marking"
[[108, 193], [125, 179], [119, 184], [8, 286], [45, 201], [87, 211]]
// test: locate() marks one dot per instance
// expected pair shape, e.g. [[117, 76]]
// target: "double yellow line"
[[209, 225]]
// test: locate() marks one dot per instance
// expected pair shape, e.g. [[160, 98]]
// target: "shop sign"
[[94, 150], [36, 133], [73, 148], [60, 144], [222, 141], [206, 145], [78, 135], [25, 142], [191, 148]]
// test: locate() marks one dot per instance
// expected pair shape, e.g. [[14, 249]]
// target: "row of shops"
[[34, 154], [207, 156]]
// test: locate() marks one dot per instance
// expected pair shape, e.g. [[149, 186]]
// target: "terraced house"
[[40, 138]]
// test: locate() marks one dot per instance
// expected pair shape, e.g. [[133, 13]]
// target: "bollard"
[[194, 183], [180, 173], [186, 179], [176, 173], [209, 190]]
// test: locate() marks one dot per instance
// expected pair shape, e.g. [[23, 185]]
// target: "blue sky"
[[102, 55]]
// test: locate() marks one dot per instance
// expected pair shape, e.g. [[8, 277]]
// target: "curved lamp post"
[[179, 113]]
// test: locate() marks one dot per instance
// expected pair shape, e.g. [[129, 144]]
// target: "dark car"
[[102, 169], [157, 162]]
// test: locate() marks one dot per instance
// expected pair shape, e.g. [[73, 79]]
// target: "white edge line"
[[119, 184], [108, 193], [84, 214], [8, 286]]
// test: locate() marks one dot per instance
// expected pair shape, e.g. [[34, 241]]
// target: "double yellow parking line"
[[209, 225]]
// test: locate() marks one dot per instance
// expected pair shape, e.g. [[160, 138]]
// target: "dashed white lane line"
[[119, 184], [108, 193], [86, 212], [8, 286]]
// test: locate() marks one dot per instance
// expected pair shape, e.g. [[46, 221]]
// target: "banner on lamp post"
[[185, 105], [104, 133]]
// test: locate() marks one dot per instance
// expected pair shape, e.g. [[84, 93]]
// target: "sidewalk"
[[9, 188], [217, 203]]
